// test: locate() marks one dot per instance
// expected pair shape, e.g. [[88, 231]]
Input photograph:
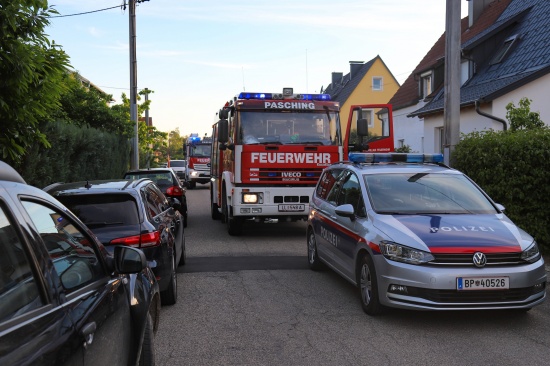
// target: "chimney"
[[337, 78], [475, 8], [354, 67]]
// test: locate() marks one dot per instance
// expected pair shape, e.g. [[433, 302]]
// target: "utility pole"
[[146, 92], [134, 163], [451, 126]]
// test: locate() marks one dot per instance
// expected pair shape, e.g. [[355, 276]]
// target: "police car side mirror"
[[500, 207], [362, 127], [346, 210]]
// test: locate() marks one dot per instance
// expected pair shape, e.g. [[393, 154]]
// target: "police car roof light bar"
[[395, 157]]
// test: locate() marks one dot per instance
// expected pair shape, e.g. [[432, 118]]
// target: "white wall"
[[409, 129]]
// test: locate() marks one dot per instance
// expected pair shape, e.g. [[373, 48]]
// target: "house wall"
[[471, 121], [363, 93], [409, 129]]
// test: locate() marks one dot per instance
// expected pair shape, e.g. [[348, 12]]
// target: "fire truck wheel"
[[216, 215], [234, 224]]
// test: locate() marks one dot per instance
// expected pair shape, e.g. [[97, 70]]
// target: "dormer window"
[[426, 84], [503, 51]]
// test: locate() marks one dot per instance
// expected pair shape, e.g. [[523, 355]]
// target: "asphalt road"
[[251, 300]]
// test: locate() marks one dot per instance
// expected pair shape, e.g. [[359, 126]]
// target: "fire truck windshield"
[[296, 127], [200, 150]]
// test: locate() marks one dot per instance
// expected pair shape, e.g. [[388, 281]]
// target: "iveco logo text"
[[289, 105], [330, 237], [461, 228], [291, 174], [291, 158]]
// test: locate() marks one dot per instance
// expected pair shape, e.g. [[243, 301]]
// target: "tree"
[[86, 106], [521, 117], [30, 71]]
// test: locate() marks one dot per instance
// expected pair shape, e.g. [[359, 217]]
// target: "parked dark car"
[[133, 213], [64, 298], [168, 182]]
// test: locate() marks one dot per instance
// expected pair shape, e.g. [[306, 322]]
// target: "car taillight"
[[146, 240], [174, 191]]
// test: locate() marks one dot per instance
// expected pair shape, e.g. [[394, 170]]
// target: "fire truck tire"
[[216, 215], [234, 224]]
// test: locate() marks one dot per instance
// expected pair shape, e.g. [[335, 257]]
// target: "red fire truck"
[[197, 153], [268, 152], [269, 149]]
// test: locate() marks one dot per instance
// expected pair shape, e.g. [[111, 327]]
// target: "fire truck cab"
[[268, 152]]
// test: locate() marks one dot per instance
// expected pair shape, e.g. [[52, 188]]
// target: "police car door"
[[349, 228]]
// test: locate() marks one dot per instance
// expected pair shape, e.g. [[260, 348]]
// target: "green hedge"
[[514, 169], [76, 154]]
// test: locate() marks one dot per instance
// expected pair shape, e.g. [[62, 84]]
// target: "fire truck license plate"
[[291, 208]]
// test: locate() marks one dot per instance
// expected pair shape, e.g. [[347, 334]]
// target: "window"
[[18, 290], [351, 194], [73, 255], [466, 71], [503, 51], [326, 182], [377, 83], [439, 139], [426, 84]]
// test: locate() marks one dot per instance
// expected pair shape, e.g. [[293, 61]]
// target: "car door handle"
[[88, 333]]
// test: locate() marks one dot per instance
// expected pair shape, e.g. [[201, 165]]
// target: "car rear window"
[[177, 163], [103, 210], [161, 179]]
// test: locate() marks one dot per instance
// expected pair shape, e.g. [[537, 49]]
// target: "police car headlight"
[[531, 254], [401, 253]]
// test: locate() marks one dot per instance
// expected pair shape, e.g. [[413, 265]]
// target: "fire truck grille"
[[291, 199], [276, 175], [203, 167]]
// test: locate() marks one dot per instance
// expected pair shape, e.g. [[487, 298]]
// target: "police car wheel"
[[313, 259], [368, 287]]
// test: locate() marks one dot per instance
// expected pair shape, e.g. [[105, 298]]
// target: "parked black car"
[[64, 298], [131, 213], [168, 182]]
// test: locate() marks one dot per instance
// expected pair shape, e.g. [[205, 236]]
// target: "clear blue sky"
[[197, 54]]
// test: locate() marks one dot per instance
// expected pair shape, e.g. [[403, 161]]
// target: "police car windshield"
[[284, 128], [426, 193]]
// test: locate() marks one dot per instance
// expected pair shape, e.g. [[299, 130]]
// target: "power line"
[[88, 12], [123, 7]]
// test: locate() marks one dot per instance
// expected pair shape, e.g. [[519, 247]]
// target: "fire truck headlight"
[[253, 197], [194, 174]]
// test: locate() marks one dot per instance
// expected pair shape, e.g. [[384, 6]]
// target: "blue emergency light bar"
[[194, 139], [271, 96], [394, 158]]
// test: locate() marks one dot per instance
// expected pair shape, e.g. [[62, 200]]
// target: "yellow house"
[[366, 83]]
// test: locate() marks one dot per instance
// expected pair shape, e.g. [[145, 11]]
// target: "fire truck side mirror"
[[362, 127], [223, 131]]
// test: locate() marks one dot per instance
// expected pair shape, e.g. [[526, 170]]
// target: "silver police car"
[[413, 233]]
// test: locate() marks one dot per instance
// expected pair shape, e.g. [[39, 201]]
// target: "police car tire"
[[312, 256], [366, 271]]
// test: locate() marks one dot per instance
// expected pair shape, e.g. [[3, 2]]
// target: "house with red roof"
[[505, 56]]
